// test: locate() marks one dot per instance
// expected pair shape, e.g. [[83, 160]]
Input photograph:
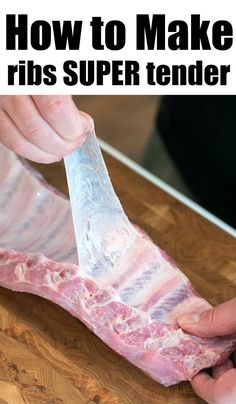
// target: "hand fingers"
[[217, 371], [218, 321], [220, 390], [63, 116], [13, 140], [203, 385], [34, 128]]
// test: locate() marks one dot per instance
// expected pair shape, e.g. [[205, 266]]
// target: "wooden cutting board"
[[47, 356]]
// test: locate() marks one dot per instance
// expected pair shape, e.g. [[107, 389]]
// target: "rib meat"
[[129, 295]]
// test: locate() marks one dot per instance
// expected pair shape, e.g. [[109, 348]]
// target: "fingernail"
[[188, 319], [86, 122]]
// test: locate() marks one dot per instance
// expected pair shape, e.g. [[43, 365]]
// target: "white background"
[[124, 10]]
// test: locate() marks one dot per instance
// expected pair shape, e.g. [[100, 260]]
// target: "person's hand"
[[220, 388], [41, 128]]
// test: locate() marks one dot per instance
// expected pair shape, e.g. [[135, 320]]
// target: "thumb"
[[218, 321]]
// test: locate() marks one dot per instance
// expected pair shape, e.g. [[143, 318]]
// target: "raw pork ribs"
[[132, 308]]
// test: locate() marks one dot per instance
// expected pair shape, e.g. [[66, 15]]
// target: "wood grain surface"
[[47, 356]]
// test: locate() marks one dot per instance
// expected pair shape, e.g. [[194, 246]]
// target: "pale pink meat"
[[132, 308]]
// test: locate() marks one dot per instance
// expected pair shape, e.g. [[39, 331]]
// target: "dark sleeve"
[[200, 135]]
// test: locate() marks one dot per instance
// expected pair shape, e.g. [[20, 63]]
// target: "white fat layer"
[[20, 271], [170, 341], [203, 361]]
